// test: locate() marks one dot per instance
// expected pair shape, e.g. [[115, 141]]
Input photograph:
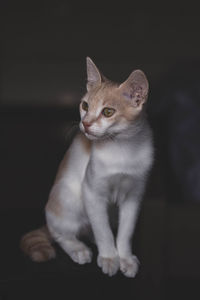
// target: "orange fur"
[[37, 245], [111, 95]]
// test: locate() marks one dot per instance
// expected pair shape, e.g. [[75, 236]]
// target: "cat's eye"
[[85, 106], [108, 112]]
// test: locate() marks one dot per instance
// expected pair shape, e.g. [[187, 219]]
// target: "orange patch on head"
[[126, 99], [102, 92], [109, 95]]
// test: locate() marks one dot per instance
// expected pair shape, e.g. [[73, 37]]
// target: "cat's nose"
[[86, 125]]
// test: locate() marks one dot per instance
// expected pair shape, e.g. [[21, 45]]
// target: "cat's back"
[[75, 159], [70, 175]]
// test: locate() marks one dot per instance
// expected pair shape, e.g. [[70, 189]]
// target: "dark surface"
[[20, 278]]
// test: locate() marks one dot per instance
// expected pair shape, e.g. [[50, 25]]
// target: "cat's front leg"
[[96, 207], [128, 212]]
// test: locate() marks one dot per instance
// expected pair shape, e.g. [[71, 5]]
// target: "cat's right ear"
[[93, 75]]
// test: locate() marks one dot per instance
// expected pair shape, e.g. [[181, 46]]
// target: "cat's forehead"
[[105, 95]]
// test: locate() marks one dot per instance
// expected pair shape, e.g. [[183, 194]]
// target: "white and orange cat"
[[107, 163]]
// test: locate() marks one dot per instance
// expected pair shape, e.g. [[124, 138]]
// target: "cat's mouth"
[[91, 135], [88, 134]]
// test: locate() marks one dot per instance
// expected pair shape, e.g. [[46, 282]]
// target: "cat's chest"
[[113, 159], [132, 159]]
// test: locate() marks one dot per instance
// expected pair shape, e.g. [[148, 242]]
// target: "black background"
[[43, 49]]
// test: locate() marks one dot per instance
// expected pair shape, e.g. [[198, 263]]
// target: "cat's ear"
[[135, 88], [94, 77]]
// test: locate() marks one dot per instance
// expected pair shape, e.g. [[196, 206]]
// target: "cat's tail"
[[37, 244]]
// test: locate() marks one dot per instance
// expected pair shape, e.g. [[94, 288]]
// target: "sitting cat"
[[107, 162]]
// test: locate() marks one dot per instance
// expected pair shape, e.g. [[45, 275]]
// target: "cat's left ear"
[[135, 88], [94, 77]]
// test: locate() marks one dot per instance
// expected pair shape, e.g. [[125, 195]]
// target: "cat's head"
[[108, 108]]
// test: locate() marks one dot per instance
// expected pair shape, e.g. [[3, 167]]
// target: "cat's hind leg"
[[76, 249], [65, 229]]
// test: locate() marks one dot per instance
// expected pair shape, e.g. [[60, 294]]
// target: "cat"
[[107, 163]]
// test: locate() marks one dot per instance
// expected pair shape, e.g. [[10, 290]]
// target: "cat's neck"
[[130, 135], [135, 128]]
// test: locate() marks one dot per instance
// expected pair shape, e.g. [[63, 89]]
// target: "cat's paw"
[[109, 265], [129, 265], [82, 256]]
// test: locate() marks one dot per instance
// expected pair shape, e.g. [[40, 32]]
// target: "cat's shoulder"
[[82, 142]]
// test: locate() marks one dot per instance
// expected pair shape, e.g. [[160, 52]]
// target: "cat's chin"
[[91, 136]]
